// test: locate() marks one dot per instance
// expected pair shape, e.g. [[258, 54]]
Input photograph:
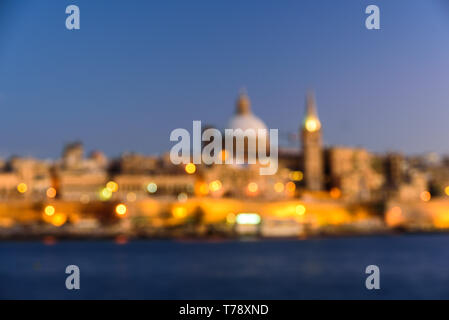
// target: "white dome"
[[246, 121]]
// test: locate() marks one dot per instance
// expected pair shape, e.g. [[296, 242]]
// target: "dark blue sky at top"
[[138, 69]]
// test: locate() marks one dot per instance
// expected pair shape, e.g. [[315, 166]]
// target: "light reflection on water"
[[411, 267]]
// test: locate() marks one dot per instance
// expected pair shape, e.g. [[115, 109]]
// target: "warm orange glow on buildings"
[[22, 188], [105, 194], [290, 188], [446, 190], [335, 193], [51, 193], [279, 187], [215, 186], [252, 187], [112, 186], [85, 199], [49, 210], [230, 218], [394, 217], [441, 218], [296, 175], [202, 189], [182, 197], [224, 155], [425, 196], [300, 209], [58, 219], [165, 193], [131, 196], [179, 212]]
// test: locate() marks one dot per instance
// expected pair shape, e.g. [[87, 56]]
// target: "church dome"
[[246, 122], [244, 119]]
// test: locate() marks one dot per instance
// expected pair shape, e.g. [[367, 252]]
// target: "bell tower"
[[311, 138]]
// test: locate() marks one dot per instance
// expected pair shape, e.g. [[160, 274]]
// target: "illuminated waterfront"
[[224, 150], [319, 268], [313, 189]]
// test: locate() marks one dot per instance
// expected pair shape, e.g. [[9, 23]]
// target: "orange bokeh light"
[[425, 196], [51, 193]]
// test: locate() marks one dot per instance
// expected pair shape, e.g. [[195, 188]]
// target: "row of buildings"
[[314, 170]]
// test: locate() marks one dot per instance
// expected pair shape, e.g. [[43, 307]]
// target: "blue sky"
[[138, 69]]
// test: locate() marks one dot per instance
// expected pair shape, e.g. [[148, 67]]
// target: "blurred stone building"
[[336, 172]]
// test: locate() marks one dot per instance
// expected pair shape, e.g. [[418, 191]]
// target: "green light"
[[152, 187], [248, 218], [105, 194]]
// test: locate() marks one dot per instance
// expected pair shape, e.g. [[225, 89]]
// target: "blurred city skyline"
[[137, 70]]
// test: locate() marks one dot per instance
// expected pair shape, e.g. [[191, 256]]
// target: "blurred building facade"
[[336, 172]]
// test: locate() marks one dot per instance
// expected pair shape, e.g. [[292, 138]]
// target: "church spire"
[[311, 121], [243, 103], [313, 163]]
